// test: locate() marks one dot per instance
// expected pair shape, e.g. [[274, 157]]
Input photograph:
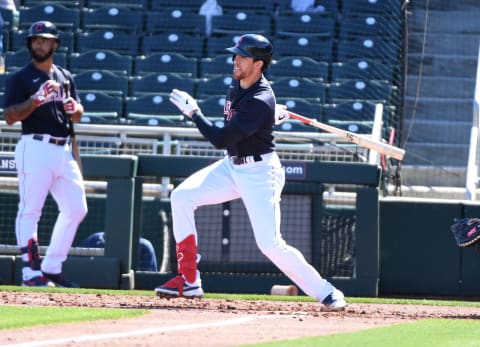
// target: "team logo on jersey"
[[229, 113]]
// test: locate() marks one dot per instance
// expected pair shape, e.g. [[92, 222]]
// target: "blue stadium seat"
[[373, 90], [362, 68], [152, 109], [242, 22], [175, 19], [212, 106], [173, 42], [316, 47], [212, 86], [300, 67], [163, 82], [63, 17], [67, 40], [101, 59], [371, 47], [369, 24], [301, 106], [217, 44], [305, 23], [119, 41], [350, 110], [16, 59], [134, 4], [166, 62], [102, 80], [221, 64], [112, 18], [101, 107], [299, 87]]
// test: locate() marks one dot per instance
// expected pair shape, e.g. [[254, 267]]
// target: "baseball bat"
[[361, 140], [73, 137]]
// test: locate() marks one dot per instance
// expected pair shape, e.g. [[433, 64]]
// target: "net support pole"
[[472, 167], [373, 156]]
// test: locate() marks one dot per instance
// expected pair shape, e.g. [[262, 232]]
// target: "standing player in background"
[[251, 170], [35, 96]]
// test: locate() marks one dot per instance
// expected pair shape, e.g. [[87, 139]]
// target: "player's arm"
[[20, 111]]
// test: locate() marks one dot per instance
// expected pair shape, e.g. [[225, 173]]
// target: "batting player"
[[35, 96], [251, 170]]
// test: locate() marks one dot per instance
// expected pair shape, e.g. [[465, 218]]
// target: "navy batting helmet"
[[255, 46], [44, 29]]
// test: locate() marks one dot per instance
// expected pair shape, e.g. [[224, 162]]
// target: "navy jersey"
[[50, 117], [249, 116]]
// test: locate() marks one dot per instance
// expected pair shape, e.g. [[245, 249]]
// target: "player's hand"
[[70, 105], [185, 103], [281, 114], [46, 92]]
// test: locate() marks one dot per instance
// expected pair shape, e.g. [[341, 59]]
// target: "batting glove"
[[185, 103], [46, 92], [281, 114], [70, 105]]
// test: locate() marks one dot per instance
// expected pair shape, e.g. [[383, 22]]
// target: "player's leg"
[[69, 194], [34, 180], [261, 195], [208, 186]]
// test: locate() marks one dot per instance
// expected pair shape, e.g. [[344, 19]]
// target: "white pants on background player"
[[259, 184], [44, 167]]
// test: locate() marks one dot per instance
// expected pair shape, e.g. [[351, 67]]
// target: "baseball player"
[[251, 170], [35, 96]]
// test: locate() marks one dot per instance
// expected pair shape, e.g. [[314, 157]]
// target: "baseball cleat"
[[335, 301], [177, 287], [38, 281], [60, 281]]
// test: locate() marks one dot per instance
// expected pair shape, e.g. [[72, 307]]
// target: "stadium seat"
[[116, 40], [175, 19], [361, 69], [16, 59], [301, 106], [67, 40], [112, 18], [67, 3], [134, 4], [368, 47], [166, 62], [382, 7], [8, 19], [154, 83], [217, 44], [221, 64], [63, 17], [212, 106], [323, 6], [252, 5], [305, 23], [316, 47], [299, 67], [380, 91], [295, 125], [299, 87], [101, 107], [350, 110], [242, 22], [152, 109], [102, 80], [186, 44], [369, 24], [159, 5], [101, 59], [212, 86]]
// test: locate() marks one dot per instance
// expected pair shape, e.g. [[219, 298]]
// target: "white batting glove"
[[281, 114], [185, 103], [46, 92], [70, 105]]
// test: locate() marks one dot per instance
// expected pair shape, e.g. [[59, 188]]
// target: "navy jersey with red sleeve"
[[50, 117]]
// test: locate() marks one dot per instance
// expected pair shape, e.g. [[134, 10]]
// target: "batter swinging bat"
[[361, 140], [73, 138]]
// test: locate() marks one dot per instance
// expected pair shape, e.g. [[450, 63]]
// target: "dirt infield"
[[206, 322]]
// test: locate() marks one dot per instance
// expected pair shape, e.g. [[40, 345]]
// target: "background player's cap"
[[43, 29], [254, 46]]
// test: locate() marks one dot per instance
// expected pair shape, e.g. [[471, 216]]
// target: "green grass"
[[12, 317], [431, 332]]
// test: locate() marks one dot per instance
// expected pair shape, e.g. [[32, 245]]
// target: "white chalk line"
[[97, 337]]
